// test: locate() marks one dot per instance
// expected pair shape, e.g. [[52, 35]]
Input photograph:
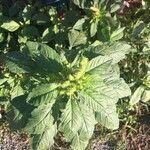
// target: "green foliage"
[[84, 107], [67, 75]]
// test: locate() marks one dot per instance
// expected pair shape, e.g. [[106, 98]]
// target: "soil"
[[12, 140], [138, 140]]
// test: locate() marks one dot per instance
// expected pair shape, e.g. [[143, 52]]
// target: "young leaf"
[[136, 97], [76, 38], [146, 95], [10, 26], [93, 28], [79, 24], [117, 35]]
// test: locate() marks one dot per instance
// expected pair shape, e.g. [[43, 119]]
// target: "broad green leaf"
[[44, 140], [119, 87], [76, 38], [79, 139], [17, 91], [103, 94], [101, 104], [114, 7], [18, 62], [39, 116], [138, 28], [71, 117], [41, 18], [111, 120], [43, 94], [117, 50], [46, 58], [18, 112], [117, 35], [41, 126], [10, 26], [15, 8], [146, 95], [137, 95], [102, 62], [103, 33], [36, 48], [42, 89], [79, 24]]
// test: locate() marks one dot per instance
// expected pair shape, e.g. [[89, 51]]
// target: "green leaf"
[[42, 89], [102, 62], [146, 95], [79, 24], [81, 139], [47, 52], [93, 28], [81, 133], [42, 128], [103, 33], [48, 35], [2, 81], [101, 104], [115, 7], [18, 62], [109, 120], [46, 58], [116, 50], [80, 3], [118, 86], [136, 97], [17, 91], [30, 31], [71, 117], [138, 29], [76, 38], [10, 26], [18, 112], [117, 35], [43, 94], [102, 94], [41, 18], [44, 140]]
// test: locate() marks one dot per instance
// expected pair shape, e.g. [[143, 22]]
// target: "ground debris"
[[12, 140]]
